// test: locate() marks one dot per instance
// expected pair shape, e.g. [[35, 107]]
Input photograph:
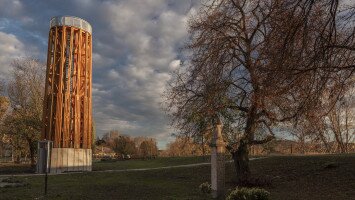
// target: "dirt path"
[[121, 170]]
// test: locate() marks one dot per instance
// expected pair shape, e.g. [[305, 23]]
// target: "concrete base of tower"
[[66, 160]]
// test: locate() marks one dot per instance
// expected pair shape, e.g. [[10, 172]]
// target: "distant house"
[[103, 151]]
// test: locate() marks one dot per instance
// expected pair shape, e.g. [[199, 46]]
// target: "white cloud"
[[99, 61], [113, 75], [10, 7], [10, 48], [174, 64], [135, 47], [150, 32]]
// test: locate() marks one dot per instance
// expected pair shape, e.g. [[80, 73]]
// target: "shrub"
[[249, 194], [205, 188]]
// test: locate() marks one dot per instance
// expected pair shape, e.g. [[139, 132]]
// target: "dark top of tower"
[[71, 21]]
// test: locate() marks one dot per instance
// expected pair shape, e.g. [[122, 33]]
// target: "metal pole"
[[46, 175], [48, 148], [45, 183]]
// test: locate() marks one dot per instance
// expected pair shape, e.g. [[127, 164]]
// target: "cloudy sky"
[[136, 44]]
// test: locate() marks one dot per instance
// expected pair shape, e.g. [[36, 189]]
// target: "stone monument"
[[217, 163]]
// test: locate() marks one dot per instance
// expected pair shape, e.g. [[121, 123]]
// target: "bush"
[[249, 194], [205, 188]]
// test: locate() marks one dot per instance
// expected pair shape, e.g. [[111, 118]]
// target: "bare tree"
[[148, 148], [124, 145], [256, 64], [25, 92], [186, 146], [4, 101], [334, 130], [110, 136], [341, 122]]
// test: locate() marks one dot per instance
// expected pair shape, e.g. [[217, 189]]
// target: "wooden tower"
[[67, 107]]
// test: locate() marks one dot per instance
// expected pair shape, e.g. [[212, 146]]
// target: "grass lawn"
[[330, 177], [153, 163], [9, 168], [293, 177]]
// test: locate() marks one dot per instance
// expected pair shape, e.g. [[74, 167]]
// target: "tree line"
[[126, 146], [186, 146]]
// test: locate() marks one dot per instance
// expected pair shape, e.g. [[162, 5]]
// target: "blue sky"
[[136, 44]]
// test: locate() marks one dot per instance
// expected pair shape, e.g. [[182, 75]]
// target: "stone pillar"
[[217, 163]]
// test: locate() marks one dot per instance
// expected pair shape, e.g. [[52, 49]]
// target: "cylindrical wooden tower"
[[67, 109]]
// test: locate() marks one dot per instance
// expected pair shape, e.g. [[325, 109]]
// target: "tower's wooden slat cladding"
[[67, 103]]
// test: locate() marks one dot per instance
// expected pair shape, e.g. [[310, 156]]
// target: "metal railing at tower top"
[[71, 21]]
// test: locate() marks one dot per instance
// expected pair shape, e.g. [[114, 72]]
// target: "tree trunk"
[[324, 141], [203, 147], [32, 148], [241, 162], [32, 155]]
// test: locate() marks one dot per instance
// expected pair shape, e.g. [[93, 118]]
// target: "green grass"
[[296, 177], [155, 184], [152, 163], [9, 168], [307, 177]]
